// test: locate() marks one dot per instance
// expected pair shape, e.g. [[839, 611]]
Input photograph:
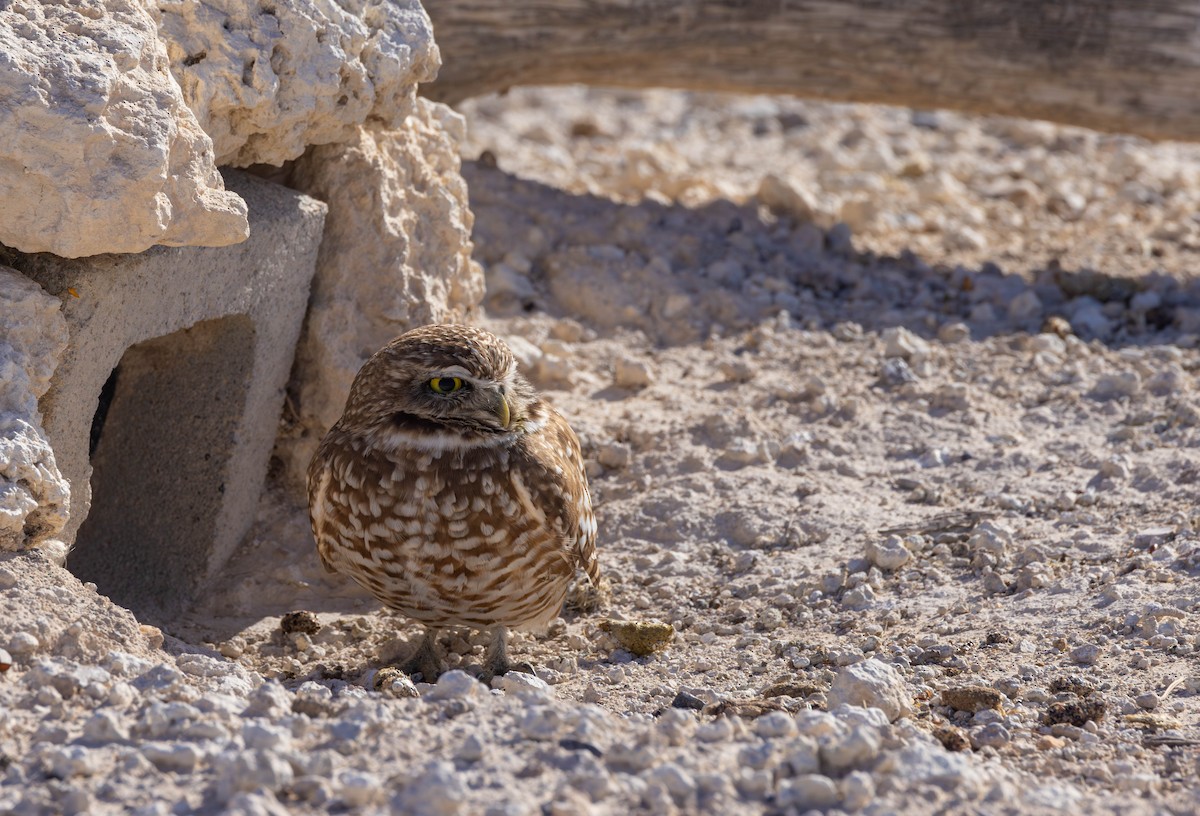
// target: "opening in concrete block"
[[164, 430]]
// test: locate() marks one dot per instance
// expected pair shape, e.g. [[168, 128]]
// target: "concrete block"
[[164, 409]]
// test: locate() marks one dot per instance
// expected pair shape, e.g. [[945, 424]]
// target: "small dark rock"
[[750, 709], [1072, 685], [301, 621], [972, 698], [787, 689], [689, 701], [951, 738], [1076, 712], [579, 745]]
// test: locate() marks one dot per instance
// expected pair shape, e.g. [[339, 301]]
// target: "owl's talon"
[[497, 664], [425, 661]]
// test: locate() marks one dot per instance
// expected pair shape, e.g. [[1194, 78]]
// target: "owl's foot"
[[497, 664], [425, 661]]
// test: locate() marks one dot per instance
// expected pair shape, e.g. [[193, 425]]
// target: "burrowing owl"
[[452, 491]]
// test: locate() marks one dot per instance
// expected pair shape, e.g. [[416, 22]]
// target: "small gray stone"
[[992, 735], [687, 701], [1147, 700]]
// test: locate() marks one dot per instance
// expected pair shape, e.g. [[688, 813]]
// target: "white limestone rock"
[[34, 497], [874, 684], [267, 81], [100, 153], [396, 254]]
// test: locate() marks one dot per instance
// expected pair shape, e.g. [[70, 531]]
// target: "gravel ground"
[[891, 421]]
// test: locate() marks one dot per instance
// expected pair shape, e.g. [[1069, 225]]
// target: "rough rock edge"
[[268, 82], [34, 497], [110, 158]]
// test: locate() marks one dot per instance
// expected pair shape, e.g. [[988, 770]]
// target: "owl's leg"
[[496, 662], [426, 660]]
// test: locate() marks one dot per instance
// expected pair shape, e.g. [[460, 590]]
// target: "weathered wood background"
[[1118, 65]]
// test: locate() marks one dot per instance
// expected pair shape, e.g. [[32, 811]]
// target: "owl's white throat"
[[393, 439]]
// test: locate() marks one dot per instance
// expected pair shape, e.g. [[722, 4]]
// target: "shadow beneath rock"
[[680, 275]]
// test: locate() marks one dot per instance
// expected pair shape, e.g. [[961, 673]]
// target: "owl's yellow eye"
[[445, 385]]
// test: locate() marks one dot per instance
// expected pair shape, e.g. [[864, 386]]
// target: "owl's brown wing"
[[557, 483], [323, 510]]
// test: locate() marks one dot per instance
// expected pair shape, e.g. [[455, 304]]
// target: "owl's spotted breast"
[[479, 536]]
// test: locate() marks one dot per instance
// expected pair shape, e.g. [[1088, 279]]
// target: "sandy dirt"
[[879, 407]]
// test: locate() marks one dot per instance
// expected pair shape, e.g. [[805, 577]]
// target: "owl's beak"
[[502, 411]]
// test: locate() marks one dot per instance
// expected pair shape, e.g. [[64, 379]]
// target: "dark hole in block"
[[106, 397], [163, 434]]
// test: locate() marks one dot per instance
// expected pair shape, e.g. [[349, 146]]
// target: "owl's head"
[[441, 380]]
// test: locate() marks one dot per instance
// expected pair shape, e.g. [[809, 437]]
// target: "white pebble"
[[615, 455], [801, 756], [1024, 307], [888, 555], [249, 771], [103, 727], [900, 342], [1086, 654], [631, 373], [515, 682], [179, 757], [859, 598], [854, 749], [121, 694], [677, 781], [453, 685], [257, 734], [471, 750], [871, 683], [775, 724], [439, 790], [858, 791], [1147, 701], [809, 791], [359, 788], [23, 643], [273, 700], [719, 730], [72, 760], [540, 723], [1116, 386]]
